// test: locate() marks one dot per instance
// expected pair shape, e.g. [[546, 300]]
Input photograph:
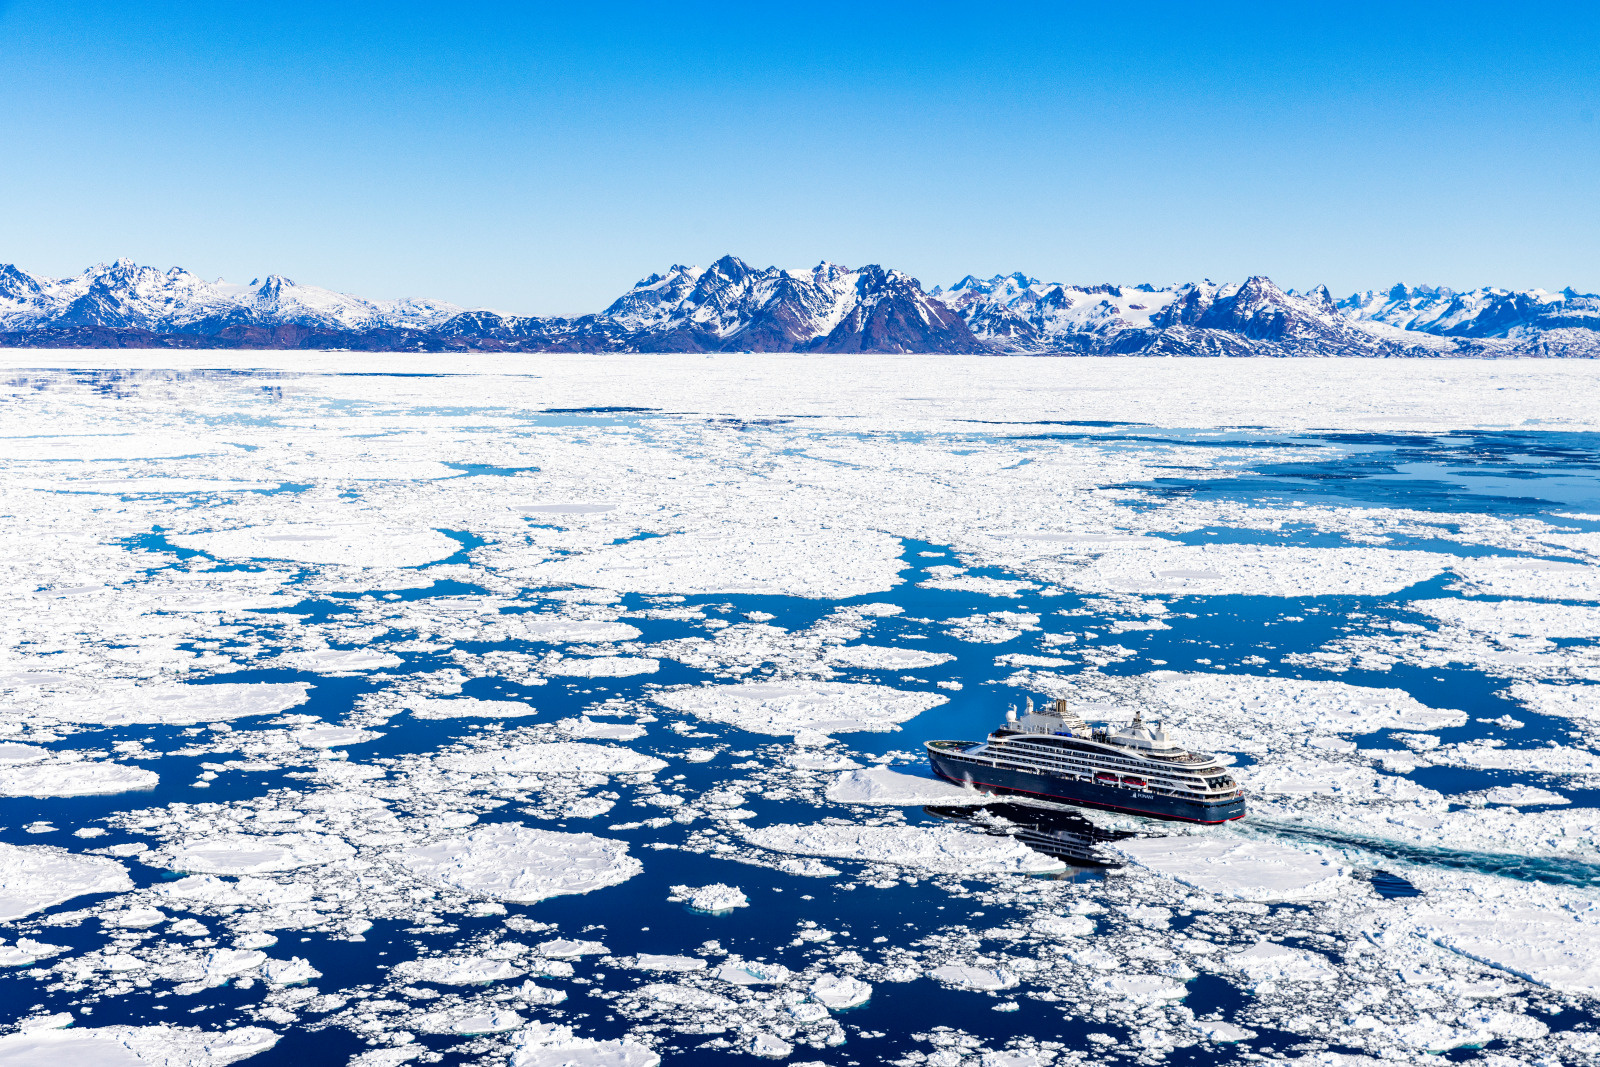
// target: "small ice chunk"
[[1223, 1032], [962, 976], [1270, 962], [752, 972], [562, 948], [331, 736], [647, 961], [467, 707], [1064, 926], [600, 666], [292, 971], [135, 918], [715, 898], [583, 726], [339, 660], [839, 991], [770, 1047]]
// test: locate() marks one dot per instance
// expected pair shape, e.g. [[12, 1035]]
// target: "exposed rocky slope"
[[731, 306]]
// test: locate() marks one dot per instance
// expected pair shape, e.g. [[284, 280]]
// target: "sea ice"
[[1522, 796], [35, 877], [942, 849], [513, 863], [456, 970], [963, 976], [880, 785], [548, 1045], [133, 1046], [352, 544], [243, 854], [796, 707], [599, 666], [554, 757], [1249, 869], [647, 961], [176, 705], [807, 562], [1253, 570], [879, 657], [839, 991], [467, 707], [714, 899], [88, 778], [1524, 577]]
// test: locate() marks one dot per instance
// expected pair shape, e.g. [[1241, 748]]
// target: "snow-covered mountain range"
[[731, 306]]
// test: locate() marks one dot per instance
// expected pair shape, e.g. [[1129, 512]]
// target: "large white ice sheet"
[[353, 544], [133, 1046], [798, 562], [511, 862], [35, 877], [1246, 868]]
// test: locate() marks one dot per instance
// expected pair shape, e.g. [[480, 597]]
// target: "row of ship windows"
[[1051, 751], [1083, 765], [1054, 765], [1192, 791]]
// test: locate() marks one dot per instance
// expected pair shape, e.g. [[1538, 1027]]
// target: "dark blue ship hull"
[[950, 765]]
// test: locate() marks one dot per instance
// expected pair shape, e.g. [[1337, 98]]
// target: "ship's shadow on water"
[[1070, 838]]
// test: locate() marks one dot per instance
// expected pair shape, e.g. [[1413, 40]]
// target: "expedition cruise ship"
[[1054, 755]]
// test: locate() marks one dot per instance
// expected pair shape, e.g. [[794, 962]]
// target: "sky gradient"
[[542, 159]]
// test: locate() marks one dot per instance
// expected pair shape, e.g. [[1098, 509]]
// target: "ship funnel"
[[1030, 705], [1061, 707]]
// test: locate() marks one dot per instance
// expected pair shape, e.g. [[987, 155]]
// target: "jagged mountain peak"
[[830, 307]]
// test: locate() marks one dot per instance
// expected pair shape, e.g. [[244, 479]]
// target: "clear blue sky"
[[541, 158]]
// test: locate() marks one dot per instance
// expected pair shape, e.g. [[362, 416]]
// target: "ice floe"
[[554, 757], [799, 707], [518, 864], [35, 877], [941, 849], [86, 778], [129, 1046], [880, 785], [242, 854], [805, 563], [1249, 869], [175, 705], [355, 544]]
